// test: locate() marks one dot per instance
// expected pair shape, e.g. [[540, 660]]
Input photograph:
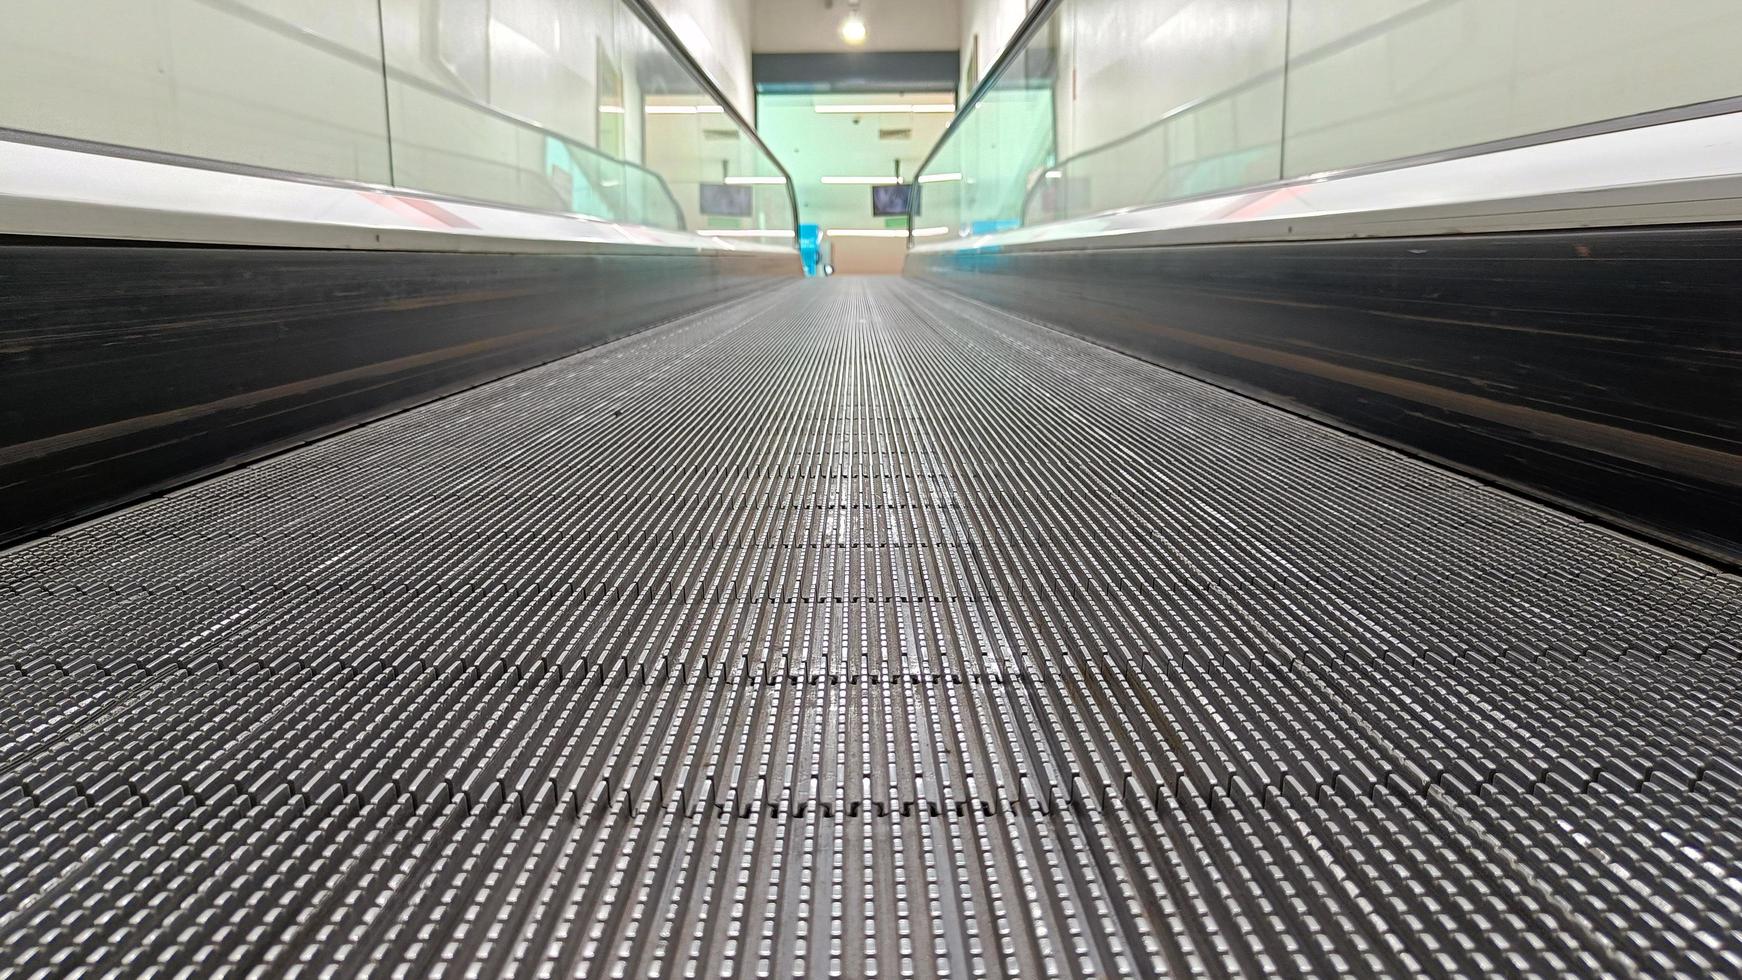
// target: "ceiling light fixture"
[[861, 109], [938, 178], [861, 180], [853, 28]]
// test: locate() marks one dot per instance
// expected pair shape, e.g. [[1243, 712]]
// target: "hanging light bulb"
[[853, 28]]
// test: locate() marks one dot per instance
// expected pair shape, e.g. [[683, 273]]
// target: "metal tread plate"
[[859, 630]]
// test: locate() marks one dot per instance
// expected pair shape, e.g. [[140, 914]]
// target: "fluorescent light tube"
[[864, 108], [743, 233]]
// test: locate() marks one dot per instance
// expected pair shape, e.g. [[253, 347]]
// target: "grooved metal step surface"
[[856, 629]]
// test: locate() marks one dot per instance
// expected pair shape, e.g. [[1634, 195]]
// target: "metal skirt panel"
[[128, 369], [1596, 368]]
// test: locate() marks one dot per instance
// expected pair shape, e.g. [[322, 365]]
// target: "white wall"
[[290, 84], [533, 60], [1373, 80], [787, 26], [987, 26], [1130, 60], [1162, 99], [717, 34], [500, 100]]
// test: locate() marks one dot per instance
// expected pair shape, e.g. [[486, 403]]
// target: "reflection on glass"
[[1111, 105], [555, 105], [574, 105]]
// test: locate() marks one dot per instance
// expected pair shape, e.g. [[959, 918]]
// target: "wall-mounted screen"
[[727, 199], [889, 200]]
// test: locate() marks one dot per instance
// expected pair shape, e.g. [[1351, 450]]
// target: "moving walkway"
[[854, 628], [1251, 543]]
